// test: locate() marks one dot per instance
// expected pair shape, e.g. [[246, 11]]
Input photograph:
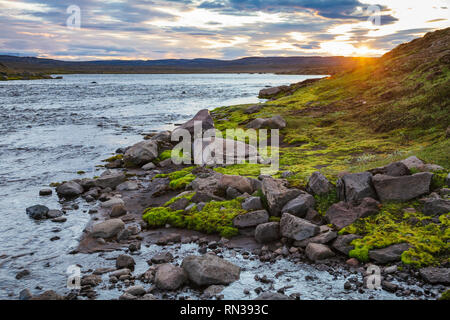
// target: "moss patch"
[[429, 240], [179, 179]]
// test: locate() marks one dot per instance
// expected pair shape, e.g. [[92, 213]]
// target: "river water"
[[51, 129]]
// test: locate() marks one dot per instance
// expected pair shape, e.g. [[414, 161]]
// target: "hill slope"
[[374, 114]]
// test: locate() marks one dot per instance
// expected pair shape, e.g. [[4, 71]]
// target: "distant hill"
[[292, 65]]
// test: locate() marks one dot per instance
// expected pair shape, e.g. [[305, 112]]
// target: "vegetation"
[[179, 179]]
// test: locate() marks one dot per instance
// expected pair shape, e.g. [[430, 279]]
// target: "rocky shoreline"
[[143, 200]]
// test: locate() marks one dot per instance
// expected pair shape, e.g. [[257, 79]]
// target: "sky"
[[218, 29]]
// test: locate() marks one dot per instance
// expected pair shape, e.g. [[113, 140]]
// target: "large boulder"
[[37, 212], [392, 253], [277, 194], [69, 189], [141, 153], [209, 270], [402, 188], [203, 117], [436, 206], [354, 187], [395, 169], [317, 251], [276, 122], [251, 219], [267, 232], [343, 243], [343, 214], [240, 183], [110, 180], [436, 275], [169, 277], [108, 229], [300, 205], [318, 184], [297, 228], [208, 182]]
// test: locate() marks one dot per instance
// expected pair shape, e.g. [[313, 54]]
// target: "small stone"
[[45, 192], [22, 274], [125, 261], [118, 210], [25, 294]]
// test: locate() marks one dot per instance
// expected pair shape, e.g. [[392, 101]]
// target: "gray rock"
[[149, 166], [342, 243], [252, 204], [169, 277], [433, 206], [48, 295], [277, 194], [179, 204], [447, 180], [317, 251], [212, 291], [318, 184], [136, 291], [272, 296], [271, 92], [300, 205], [37, 212], [69, 189], [51, 214], [267, 232], [402, 188], [232, 193], [431, 167], [240, 183], [165, 163], [389, 254], [354, 187], [45, 192], [107, 229], [112, 202], [296, 228], [321, 238], [125, 261], [110, 180], [276, 122], [128, 186], [251, 219], [253, 109], [413, 162], [209, 270], [343, 214], [141, 153], [163, 257], [395, 169], [127, 296], [118, 210], [25, 294], [436, 275], [314, 217], [91, 280], [202, 116]]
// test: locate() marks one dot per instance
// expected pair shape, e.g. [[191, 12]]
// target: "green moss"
[[325, 201], [428, 240], [114, 158], [179, 179], [216, 217], [274, 219], [186, 196], [246, 169], [81, 172], [445, 295], [438, 180]]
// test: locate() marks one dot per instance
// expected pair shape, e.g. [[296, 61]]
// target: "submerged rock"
[[69, 189], [37, 212], [209, 270]]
